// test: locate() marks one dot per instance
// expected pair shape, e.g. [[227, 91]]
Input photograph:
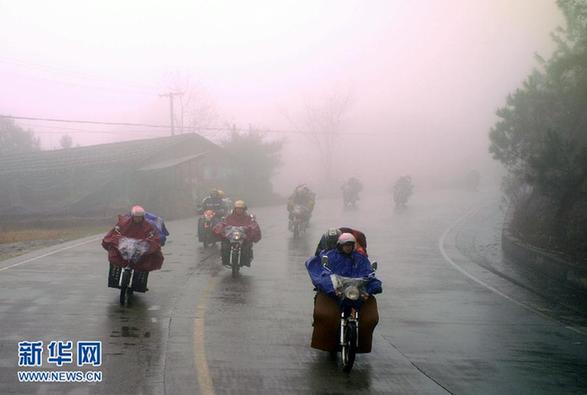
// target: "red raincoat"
[[153, 258], [252, 228]]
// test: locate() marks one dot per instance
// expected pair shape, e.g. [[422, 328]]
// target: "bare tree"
[[322, 123], [200, 110]]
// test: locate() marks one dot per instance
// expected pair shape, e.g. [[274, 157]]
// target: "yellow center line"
[[202, 371]]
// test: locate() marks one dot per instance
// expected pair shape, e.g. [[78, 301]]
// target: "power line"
[[69, 130], [219, 129], [144, 125]]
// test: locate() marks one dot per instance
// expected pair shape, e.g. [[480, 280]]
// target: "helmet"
[[221, 194], [346, 238], [331, 236], [240, 204], [137, 211]]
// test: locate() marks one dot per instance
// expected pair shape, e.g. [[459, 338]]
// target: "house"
[[165, 175]]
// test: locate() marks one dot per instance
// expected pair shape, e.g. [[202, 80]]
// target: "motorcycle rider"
[[134, 226], [158, 223], [402, 189], [239, 217], [344, 260], [330, 238], [301, 196], [227, 202], [350, 190], [213, 202]]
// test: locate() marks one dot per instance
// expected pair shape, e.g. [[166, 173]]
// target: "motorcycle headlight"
[[237, 236], [352, 293]]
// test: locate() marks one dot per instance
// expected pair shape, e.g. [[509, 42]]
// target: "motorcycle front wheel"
[[235, 255], [296, 230], [349, 348], [125, 292]]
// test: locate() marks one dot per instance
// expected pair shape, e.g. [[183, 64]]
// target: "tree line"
[[541, 138]]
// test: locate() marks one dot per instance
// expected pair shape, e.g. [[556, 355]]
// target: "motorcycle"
[[298, 222], [235, 238], [127, 279], [206, 222], [349, 197], [349, 290], [401, 193]]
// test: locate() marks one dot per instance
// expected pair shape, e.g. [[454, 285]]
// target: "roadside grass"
[[23, 235], [20, 241]]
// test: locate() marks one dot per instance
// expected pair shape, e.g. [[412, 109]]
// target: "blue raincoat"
[[353, 265], [158, 223]]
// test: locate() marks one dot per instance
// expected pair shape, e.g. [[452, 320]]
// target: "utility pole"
[[170, 95]]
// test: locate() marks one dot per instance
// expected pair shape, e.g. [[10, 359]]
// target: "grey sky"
[[428, 74]]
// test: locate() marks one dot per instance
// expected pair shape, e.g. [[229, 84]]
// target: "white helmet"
[[137, 211], [346, 238]]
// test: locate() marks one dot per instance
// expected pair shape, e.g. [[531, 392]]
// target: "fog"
[[423, 78]]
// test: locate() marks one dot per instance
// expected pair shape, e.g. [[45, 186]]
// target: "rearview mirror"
[[374, 265]]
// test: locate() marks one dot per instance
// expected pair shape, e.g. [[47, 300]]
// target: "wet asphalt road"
[[447, 324]]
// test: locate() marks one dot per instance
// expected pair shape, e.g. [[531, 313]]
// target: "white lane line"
[[51, 253], [441, 242]]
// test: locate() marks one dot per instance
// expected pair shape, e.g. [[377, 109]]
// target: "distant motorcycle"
[[127, 279], [206, 222], [402, 190], [349, 197], [349, 290], [400, 197], [299, 220], [234, 252]]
